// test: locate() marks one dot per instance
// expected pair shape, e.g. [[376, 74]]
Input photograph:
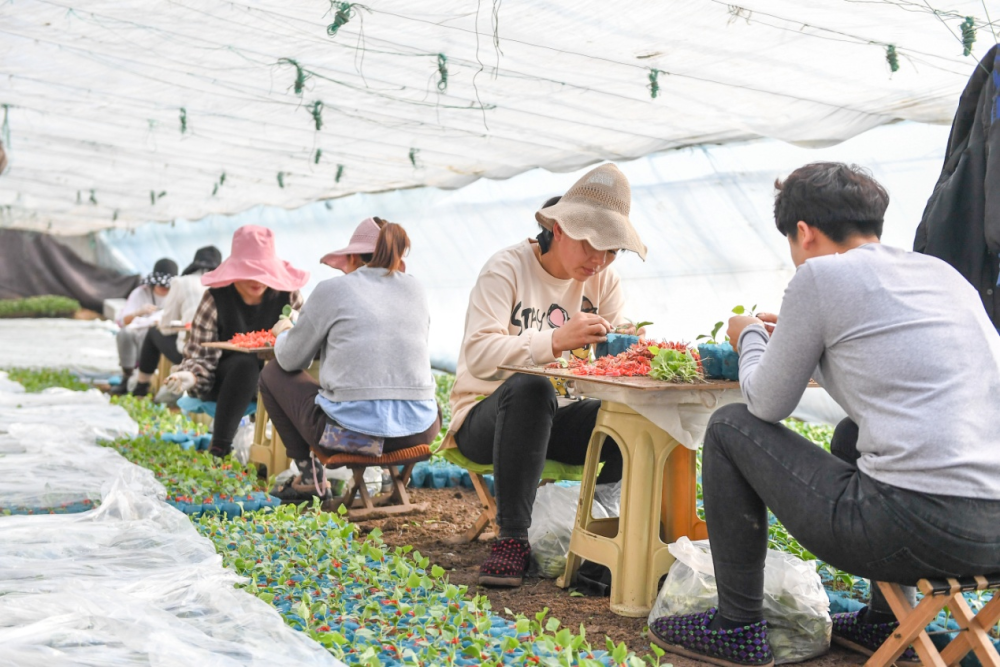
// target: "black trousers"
[[837, 512], [156, 344], [516, 429], [235, 387]]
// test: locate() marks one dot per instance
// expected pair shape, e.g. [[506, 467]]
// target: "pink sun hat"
[[363, 242], [253, 258]]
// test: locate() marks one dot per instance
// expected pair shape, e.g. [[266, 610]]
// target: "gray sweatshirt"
[[902, 343], [371, 331]]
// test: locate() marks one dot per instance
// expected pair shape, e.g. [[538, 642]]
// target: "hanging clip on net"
[[891, 57], [5, 129], [340, 172], [316, 109], [442, 72], [93, 198], [281, 179], [319, 153], [654, 84], [968, 34], [184, 120], [413, 156], [155, 196], [344, 13], [300, 75]]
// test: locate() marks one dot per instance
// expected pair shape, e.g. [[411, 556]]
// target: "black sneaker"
[[310, 483]]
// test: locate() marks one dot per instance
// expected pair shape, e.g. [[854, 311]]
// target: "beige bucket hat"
[[596, 210]]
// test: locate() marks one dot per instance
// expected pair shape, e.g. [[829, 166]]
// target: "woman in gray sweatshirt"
[[376, 391]]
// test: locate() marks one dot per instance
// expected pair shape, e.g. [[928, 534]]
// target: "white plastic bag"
[[243, 440], [796, 607], [552, 519]]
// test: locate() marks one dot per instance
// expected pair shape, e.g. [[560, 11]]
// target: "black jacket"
[[961, 223]]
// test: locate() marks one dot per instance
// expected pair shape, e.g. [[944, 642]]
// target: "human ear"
[[805, 234]]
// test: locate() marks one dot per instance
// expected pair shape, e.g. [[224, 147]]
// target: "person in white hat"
[[375, 393], [534, 302]]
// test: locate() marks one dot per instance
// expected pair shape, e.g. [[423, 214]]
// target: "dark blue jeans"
[[843, 516]]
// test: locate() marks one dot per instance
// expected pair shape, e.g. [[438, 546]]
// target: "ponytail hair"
[[544, 237], [391, 247]]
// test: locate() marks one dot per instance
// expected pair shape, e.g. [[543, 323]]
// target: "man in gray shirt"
[[911, 487]]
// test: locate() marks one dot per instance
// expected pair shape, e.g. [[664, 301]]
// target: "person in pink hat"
[[246, 293], [375, 392]]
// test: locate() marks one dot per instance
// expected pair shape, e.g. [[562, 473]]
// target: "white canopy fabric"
[[118, 112], [705, 213]]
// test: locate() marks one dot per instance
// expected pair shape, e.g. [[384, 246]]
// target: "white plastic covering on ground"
[[706, 214], [796, 606], [131, 583], [114, 114], [83, 347]]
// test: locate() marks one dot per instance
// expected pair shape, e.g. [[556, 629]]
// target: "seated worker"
[[180, 304], [135, 320], [533, 302], [370, 329], [911, 487], [247, 292]]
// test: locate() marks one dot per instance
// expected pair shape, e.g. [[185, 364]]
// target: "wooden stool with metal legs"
[[359, 503], [973, 634]]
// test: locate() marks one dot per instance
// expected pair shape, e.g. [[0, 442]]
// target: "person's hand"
[[736, 326], [282, 326], [180, 381], [581, 330], [769, 320], [148, 309]]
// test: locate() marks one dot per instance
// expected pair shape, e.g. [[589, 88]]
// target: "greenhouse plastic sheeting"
[[115, 113], [706, 214], [62, 408], [83, 347], [131, 583]]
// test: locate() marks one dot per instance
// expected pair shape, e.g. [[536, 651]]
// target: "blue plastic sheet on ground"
[[228, 506], [188, 440], [443, 475], [192, 405]]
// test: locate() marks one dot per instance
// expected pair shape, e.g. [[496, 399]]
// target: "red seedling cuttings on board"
[[633, 362], [253, 340]]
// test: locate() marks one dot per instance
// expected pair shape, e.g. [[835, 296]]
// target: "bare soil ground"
[[451, 511]]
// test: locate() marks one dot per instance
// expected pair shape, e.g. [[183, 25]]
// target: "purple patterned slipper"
[[851, 632], [690, 636], [508, 561]]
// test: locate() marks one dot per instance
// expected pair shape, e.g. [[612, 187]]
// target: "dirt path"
[[451, 511]]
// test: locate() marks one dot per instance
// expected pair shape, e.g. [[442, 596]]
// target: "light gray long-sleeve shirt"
[[901, 341], [371, 331]]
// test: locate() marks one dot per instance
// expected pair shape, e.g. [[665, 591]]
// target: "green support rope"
[[442, 72], [316, 109], [340, 173], [891, 57], [968, 34], [300, 75], [344, 13], [654, 84]]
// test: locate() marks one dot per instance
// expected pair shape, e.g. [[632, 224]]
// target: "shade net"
[[120, 112]]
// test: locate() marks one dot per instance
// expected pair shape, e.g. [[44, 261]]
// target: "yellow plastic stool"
[[270, 452], [657, 507]]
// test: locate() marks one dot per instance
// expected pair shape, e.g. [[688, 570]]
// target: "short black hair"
[[838, 199], [544, 237]]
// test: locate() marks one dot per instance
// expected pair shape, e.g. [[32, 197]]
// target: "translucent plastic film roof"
[[119, 112]]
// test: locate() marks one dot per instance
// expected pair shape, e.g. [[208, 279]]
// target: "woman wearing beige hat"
[[534, 302]]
